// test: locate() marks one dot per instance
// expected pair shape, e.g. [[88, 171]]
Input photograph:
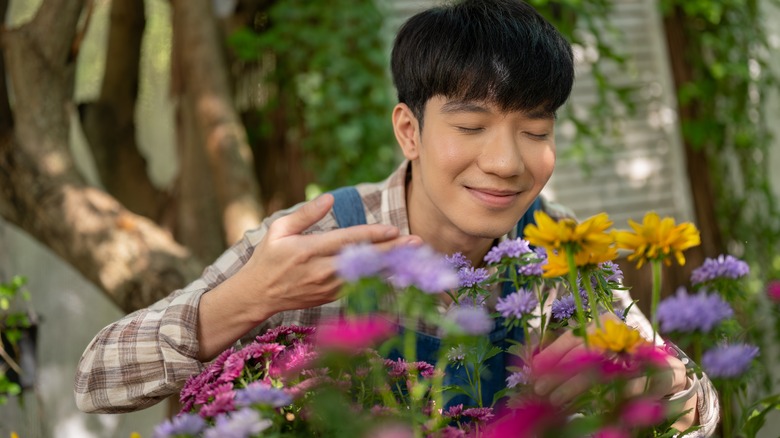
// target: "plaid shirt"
[[149, 354]]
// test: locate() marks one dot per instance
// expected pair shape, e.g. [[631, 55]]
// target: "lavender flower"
[[184, 424], [359, 261], [421, 267], [469, 277], [534, 269], [458, 261], [616, 275], [238, 424], [508, 248], [688, 313], [517, 304], [473, 320], [519, 378], [728, 361], [725, 266], [263, 394], [564, 308]]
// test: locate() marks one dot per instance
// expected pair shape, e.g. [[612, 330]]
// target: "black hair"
[[499, 51]]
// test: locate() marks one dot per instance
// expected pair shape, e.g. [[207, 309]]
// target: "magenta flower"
[[773, 290], [478, 414], [642, 412], [612, 432], [531, 418], [354, 334], [286, 335], [221, 403]]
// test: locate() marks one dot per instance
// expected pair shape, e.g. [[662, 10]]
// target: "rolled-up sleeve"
[[148, 355]]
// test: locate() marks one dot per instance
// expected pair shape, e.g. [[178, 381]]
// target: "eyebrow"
[[461, 106]]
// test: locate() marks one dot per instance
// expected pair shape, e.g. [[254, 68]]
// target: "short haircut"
[[498, 51]]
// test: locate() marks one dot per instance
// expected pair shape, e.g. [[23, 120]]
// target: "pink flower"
[[611, 432], [642, 413], [223, 402], [293, 360], [286, 335], [532, 418], [479, 414], [354, 334], [773, 290]]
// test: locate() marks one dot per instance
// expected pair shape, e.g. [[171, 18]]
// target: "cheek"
[[541, 163]]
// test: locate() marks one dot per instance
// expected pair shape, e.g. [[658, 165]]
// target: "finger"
[[332, 242], [398, 241], [301, 219], [564, 369], [549, 357], [568, 390]]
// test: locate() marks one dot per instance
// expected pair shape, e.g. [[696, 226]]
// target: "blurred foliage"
[[729, 56], [587, 26], [12, 322], [330, 80]]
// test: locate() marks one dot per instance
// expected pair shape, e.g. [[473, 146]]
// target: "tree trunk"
[[128, 256], [697, 160], [109, 123], [209, 130]]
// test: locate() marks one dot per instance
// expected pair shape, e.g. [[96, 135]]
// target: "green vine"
[[330, 77], [729, 54]]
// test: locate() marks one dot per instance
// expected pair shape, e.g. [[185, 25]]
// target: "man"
[[478, 86]]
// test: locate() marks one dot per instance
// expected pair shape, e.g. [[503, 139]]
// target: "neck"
[[441, 235]]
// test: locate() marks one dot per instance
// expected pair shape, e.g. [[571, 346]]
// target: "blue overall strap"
[[348, 207], [528, 217]]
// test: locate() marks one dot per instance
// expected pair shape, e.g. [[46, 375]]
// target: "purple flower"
[[613, 271], [473, 320], [534, 269], [725, 266], [479, 414], [239, 424], [517, 304], [518, 378], [359, 261], [183, 424], [564, 308], [458, 261], [286, 335], [262, 394], [688, 313], [728, 361], [469, 277], [222, 402], [451, 432], [422, 267], [508, 248]]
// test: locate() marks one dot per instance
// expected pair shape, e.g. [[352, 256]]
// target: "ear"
[[407, 131]]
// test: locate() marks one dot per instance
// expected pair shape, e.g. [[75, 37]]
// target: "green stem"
[[594, 307], [576, 293], [656, 296], [478, 380], [726, 420]]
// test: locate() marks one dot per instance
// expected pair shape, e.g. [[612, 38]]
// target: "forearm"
[[227, 313]]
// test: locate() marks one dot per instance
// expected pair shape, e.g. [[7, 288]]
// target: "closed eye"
[[537, 136], [468, 130]]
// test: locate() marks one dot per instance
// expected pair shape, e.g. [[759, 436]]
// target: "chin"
[[489, 231]]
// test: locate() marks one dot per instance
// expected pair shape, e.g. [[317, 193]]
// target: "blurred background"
[[139, 139]]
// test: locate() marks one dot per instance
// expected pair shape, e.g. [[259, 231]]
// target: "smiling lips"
[[494, 198]]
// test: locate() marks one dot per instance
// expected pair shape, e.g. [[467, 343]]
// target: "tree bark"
[[109, 123], [126, 255], [697, 161], [207, 121]]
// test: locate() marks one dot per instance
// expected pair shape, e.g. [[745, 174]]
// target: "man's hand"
[[562, 388], [295, 271], [288, 270]]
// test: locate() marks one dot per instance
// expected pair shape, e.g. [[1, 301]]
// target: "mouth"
[[494, 198]]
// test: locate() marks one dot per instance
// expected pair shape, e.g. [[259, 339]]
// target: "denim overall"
[[348, 209]]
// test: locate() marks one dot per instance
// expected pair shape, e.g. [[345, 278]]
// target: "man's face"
[[475, 169]]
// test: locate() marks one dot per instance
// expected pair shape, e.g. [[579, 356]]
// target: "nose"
[[501, 156]]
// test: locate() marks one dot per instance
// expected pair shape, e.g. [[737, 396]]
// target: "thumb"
[[301, 219]]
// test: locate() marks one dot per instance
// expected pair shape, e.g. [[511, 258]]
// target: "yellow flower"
[[616, 337], [658, 239], [14, 435], [135, 435], [556, 266], [589, 235]]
